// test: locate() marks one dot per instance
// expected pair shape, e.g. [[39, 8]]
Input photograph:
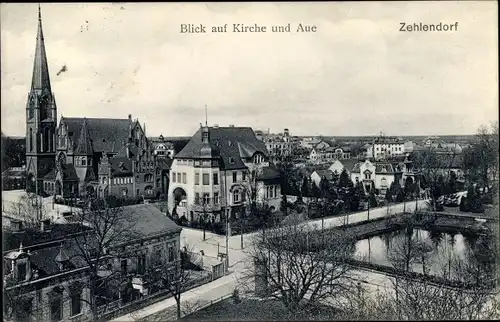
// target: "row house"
[[47, 279], [219, 171]]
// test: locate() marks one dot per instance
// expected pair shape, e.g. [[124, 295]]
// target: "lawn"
[[255, 309]]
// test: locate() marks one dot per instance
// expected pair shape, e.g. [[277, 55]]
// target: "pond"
[[431, 252]]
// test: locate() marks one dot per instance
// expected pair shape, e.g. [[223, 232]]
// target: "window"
[[216, 198], [231, 160], [173, 177], [197, 198], [56, 309], [235, 175], [137, 179], [171, 253], [184, 178], [76, 307], [196, 178], [124, 266], [206, 163], [215, 179], [84, 162], [244, 176], [367, 175], [236, 196], [206, 179], [141, 264], [21, 271], [206, 198]]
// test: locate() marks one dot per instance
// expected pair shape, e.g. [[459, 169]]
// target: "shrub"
[[236, 296]]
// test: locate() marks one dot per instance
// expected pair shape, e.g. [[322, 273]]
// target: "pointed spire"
[[21, 247], [84, 146], [41, 79], [206, 115]]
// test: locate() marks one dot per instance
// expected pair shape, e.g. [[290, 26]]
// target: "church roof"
[[41, 79], [106, 135], [121, 166], [233, 144], [84, 146], [68, 172]]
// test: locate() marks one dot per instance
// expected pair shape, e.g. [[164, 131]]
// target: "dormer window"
[[231, 160]]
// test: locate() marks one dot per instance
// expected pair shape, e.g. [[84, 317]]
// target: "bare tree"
[[102, 248], [29, 209], [300, 267], [173, 270], [464, 294]]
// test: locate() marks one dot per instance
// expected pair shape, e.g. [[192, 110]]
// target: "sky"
[[356, 75]]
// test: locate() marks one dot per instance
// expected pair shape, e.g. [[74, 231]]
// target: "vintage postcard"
[[250, 161]]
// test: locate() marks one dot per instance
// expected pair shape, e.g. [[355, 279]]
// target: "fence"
[[117, 308], [188, 308]]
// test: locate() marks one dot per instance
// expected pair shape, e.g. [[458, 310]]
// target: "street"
[[193, 239]]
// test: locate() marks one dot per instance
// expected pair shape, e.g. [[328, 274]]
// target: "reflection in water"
[[433, 250]]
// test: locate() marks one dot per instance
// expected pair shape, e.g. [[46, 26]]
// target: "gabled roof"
[[84, 146], [164, 163], [107, 135], [121, 166], [68, 173], [325, 174], [349, 164], [268, 173], [231, 143], [147, 221]]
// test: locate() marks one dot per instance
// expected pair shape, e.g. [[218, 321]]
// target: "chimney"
[[16, 225], [45, 225], [231, 125], [130, 117]]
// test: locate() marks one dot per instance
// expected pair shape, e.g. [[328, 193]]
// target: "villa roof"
[[231, 144]]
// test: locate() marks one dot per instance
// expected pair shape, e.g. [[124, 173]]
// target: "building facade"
[[387, 147], [377, 175], [218, 172]]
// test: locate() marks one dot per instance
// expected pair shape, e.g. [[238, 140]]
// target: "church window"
[[84, 162]]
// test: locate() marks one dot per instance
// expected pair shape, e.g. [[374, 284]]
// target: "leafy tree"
[[451, 186], [305, 187], [463, 204], [372, 199], [344, 179], [388, 194], [473, 201], [13, 152]]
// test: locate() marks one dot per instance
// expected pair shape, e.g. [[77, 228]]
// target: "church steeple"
[[41, 79], [41, 119]]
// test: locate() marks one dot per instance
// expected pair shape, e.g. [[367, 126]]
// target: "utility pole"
[[226, 210]]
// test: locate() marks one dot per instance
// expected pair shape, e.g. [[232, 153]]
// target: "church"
[[83, 156]]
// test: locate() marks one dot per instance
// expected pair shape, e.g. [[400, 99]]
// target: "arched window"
[[46, 141], [236, 196], [40, 142], [30, 138]]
